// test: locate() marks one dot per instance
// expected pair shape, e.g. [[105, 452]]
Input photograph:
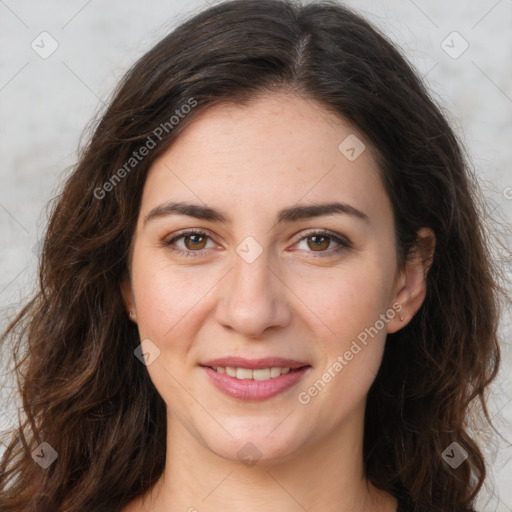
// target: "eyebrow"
[[286, 215]]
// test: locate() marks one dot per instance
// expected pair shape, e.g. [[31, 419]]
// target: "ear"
[[128, 297], [411, 285]]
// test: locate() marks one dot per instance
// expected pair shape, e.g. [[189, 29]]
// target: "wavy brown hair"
[[82, 389]]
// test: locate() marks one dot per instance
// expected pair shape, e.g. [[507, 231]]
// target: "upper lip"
[[253, 364]]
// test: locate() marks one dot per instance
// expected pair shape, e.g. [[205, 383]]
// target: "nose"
[[254, 298]]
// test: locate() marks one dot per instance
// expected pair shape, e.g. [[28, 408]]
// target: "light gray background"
[[46, 103]]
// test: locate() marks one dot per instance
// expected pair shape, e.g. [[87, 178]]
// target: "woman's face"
[[272, 279]]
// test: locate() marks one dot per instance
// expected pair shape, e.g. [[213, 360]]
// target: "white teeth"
[[258, 374], [275, 372], [261, 374], [243, 373]]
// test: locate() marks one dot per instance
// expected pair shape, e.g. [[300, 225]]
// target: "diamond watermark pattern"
[[454, 455], [249, 454], [351, 147], [147, 352], [44, 455], [249, 249], [44, 45], [454, 45]]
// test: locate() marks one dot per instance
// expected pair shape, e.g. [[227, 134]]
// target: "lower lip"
[[249, 389]]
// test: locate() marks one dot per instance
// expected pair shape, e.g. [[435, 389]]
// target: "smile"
[[254, 385], [257, 374]]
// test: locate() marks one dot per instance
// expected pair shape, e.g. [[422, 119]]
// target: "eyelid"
[[342, 241], [323, 232], [183, 233]]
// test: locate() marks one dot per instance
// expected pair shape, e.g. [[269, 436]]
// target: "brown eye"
[[189, 243], [319, 242], [195, 241]]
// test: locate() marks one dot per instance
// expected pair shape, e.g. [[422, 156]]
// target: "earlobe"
[[128, 299], [412, 282]]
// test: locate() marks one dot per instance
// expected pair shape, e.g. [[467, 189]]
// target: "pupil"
[[195, 239], [319, 241]]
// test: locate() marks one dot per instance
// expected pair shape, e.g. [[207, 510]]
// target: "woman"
[[266, 283]]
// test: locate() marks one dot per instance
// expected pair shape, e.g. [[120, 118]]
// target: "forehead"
[[275, 151]]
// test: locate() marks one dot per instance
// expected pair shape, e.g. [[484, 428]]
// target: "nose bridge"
[[253, 298], [251, 277]]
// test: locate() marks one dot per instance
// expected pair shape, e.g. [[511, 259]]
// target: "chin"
[[252, 446]]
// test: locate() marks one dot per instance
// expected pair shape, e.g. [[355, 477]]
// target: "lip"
[[255, 390], [254, 364]]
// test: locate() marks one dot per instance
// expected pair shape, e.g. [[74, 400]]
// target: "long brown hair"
[[85, 394]]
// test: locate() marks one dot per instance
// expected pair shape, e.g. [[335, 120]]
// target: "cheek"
[[345, 300], [350, 335], [170, 298], [171, 302], [349, 347]]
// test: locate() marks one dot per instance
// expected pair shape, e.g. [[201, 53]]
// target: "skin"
[[251, 161]]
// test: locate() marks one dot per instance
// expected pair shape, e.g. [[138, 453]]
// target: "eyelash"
[[343, 243]]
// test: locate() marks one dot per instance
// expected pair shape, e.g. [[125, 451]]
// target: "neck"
[[326, 475]]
